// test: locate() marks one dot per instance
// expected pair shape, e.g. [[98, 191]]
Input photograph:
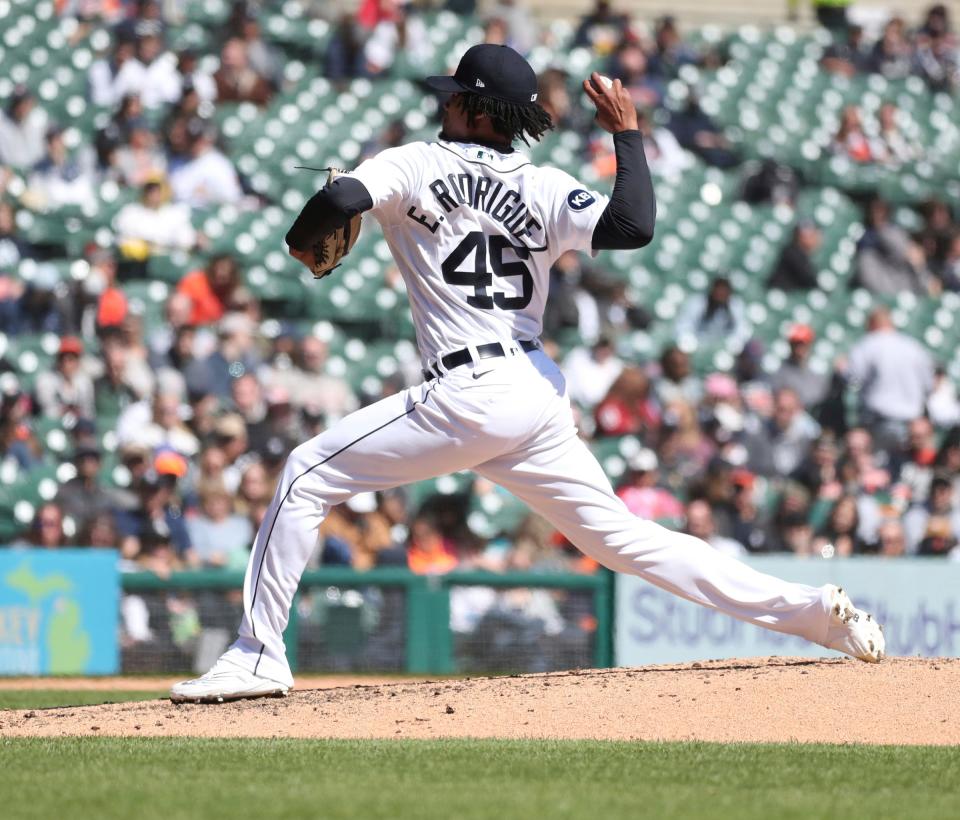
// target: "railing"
[[387, 620]]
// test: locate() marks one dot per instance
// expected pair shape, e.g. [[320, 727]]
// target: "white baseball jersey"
[[474, 233]]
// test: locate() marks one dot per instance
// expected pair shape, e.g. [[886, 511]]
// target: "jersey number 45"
[[484, 249]]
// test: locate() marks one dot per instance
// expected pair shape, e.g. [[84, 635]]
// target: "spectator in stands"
[[916, 464], [641, 493], [629, 407], [601, 29], [795, 269], [933, 527], [48, 529], [194, 81], [520, 23], [936, 238], [935, 59], [211, 289], [696, 131], [244, 24], [66, 389], [255, 488], [790, 529], [18, 444], [848, 57], [156, 510], [112, 393], [22, 128], [861, 469], [851, 140], [819, 472], [248, 402], [153, 225], [206, 177], [157, 424], [395, 29], [684, 449], [890, 146], [700, 524], [950, 270], [748, 523], [308, 383], [676, 381], [235, 354], [13, 247], [665, 157], [780, 445], [943, 405], [629, 65], [795, 372], [715, 316], [671, 52], [429, 552], [590, 372], [160, 85], [59, 179], [237, 80], [219, 537], [891, 540], [839, 535], [888, 261], [100, 531], [139, 160], [892, 55], [120, 74], [893, 375], [83, 497]]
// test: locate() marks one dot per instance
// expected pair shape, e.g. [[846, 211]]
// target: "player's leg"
[[410, 436], [561, 479]]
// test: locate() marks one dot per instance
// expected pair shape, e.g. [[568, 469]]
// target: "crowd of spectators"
[[202, 410]]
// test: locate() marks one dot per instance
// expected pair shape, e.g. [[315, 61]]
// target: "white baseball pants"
[[509, 420]]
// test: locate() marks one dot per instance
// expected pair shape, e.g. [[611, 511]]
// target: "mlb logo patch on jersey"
[[580, 199]]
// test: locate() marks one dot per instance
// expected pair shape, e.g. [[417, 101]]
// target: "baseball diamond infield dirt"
[[901, 701]]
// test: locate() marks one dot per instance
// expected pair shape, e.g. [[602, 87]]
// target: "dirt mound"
[[834, 701]]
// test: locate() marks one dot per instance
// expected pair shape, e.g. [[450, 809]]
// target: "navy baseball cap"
[[491, 71]]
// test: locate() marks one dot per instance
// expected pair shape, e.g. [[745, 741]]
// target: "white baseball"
[[608, 83]]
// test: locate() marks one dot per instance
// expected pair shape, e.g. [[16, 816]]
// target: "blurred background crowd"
[[776, 374]]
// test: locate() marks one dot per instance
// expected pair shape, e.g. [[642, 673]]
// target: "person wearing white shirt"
[[161, 83], [22, 126], [163, 226], [208, 177], [111, 79], [590, 373]]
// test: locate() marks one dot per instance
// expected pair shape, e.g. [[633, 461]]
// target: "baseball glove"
[[329, 249]]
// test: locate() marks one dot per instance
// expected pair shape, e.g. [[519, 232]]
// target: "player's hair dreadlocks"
[[512, 120]]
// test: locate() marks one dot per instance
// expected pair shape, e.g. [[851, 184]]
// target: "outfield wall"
[[71, 612], [917, 601]]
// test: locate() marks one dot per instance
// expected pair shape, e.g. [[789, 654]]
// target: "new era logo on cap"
[[506, 75]]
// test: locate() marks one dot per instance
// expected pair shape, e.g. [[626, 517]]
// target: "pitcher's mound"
[[902, 700]]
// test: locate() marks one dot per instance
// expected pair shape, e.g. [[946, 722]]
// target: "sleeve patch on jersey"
[[580, 199]]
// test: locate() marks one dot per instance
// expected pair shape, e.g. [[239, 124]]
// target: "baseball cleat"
[[225, 681], [854, 631]]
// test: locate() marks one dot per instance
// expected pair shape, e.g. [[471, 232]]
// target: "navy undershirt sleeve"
[[627, 221], [332, 206]]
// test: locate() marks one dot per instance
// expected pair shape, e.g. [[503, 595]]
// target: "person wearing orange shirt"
[[210, 289]]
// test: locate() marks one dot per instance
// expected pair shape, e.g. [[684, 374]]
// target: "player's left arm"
[[628, 220], [330, 208]]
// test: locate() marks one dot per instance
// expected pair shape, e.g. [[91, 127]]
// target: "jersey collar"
[[486, 155]]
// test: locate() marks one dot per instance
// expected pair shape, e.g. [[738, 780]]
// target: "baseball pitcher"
[[474, 227]]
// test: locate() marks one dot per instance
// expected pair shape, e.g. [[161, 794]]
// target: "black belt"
[[493, 350]]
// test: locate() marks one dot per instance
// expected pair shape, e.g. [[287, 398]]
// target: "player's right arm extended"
[[328, 209], [627, 221]]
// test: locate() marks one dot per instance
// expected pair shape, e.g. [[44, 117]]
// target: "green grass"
[[176, 778], [46, 698]]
